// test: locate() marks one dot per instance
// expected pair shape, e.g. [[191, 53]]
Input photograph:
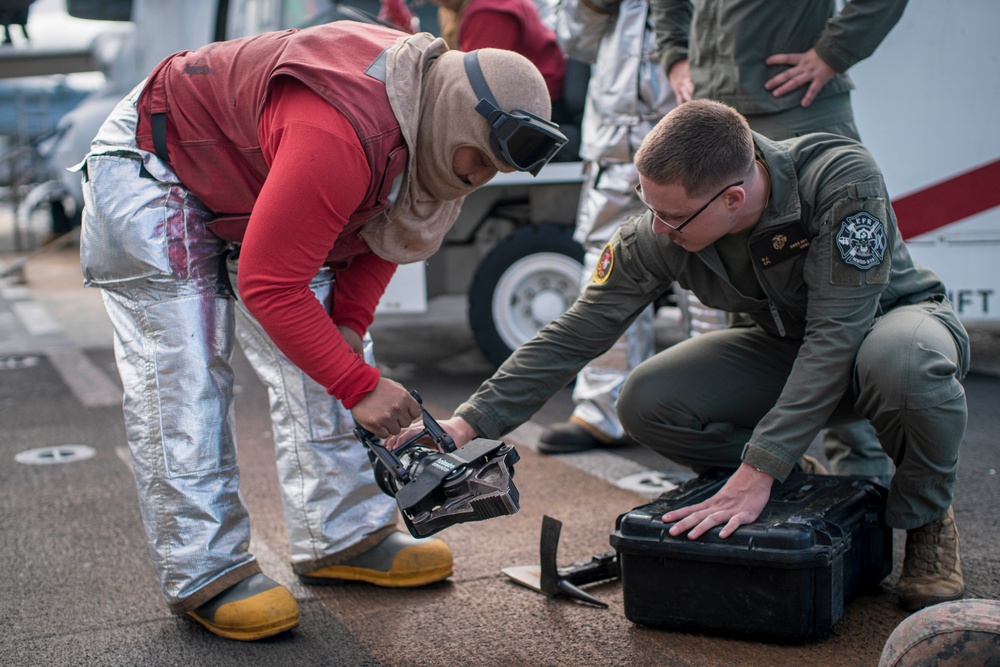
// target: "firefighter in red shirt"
[[264, 190]]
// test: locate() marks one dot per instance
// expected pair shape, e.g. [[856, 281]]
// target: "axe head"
[[554, 581]]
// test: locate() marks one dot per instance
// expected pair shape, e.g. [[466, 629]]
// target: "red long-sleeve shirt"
[[317, 177], [514, 25]]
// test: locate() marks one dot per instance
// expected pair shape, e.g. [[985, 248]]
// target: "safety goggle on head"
[[526, 141]]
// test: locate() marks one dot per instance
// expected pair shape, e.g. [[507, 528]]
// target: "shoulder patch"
[[861, 241], [604, 265]]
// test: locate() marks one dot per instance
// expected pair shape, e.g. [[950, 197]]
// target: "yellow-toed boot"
[[255, 608], [398, 561]]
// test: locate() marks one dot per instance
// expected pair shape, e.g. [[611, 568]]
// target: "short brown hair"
[[700, 145]]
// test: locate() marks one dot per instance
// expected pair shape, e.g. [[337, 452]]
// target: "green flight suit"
[[727, 41], [726, 44], [845, 325]]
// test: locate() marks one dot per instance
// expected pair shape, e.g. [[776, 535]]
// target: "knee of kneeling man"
[[922, 377], [631, 404], [915, 357], [641, 403]]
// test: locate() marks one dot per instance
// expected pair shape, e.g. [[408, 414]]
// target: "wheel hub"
[[547, 305]]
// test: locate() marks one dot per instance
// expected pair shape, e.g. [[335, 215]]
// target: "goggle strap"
[[478, 81], [486, 109]]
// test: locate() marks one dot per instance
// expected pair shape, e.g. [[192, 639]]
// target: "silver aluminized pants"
[[608, 198], [167, 291]]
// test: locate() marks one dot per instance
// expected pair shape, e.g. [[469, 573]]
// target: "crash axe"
[[555, 581]]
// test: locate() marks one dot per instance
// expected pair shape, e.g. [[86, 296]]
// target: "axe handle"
[[602, 567]]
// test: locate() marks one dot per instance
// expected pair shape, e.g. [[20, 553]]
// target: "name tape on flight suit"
[[783, 243]]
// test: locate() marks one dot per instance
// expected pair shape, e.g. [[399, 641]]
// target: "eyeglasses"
[[525, 141], [678, 228]]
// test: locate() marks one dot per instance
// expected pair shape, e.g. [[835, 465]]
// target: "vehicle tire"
[[527, 279]]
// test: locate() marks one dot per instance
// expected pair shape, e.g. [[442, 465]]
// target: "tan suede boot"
[[932, 568]]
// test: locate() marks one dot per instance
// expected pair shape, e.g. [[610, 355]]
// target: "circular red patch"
[[604, 265]]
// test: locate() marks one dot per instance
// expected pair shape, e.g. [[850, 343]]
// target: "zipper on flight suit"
[[776, 316], [764, 284]]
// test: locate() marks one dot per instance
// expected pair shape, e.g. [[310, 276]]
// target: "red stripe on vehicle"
[[957, 198]]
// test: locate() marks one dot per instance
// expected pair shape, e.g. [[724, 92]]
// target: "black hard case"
[[818, 543]]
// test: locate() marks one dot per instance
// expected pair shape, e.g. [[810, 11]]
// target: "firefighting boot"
[[932, 567], [398, 561], [254, 608]]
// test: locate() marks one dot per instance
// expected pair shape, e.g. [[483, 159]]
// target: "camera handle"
[[431, 429], [389, 459]]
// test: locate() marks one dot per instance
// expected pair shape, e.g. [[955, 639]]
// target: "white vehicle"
[[924, 106]]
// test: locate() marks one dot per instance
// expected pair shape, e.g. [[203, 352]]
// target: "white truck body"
[[924, 105]]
